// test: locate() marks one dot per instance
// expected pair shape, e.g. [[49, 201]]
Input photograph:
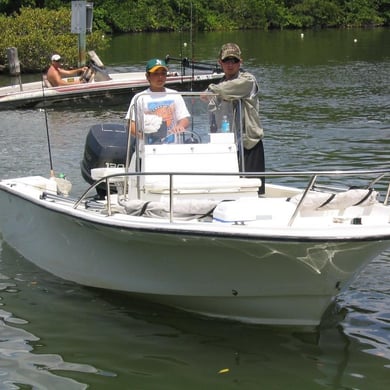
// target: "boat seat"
[[46, 82], [320, 201]]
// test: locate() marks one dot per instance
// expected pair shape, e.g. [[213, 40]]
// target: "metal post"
[[82, 14], [14, 64], [82, 49]]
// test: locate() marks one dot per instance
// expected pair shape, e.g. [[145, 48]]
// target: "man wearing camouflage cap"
[[242, 85]]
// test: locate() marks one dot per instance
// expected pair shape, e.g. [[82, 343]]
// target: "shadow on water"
[[72, 336]]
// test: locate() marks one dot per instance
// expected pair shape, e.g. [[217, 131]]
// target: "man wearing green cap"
[[160, 111], [240, 85]]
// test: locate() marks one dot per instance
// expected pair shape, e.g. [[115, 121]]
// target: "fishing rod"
[[64, 186], [192, 49], [182, 70], [186, 62], [47, 127]]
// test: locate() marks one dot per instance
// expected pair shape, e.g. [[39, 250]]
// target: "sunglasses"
[[231, 60]]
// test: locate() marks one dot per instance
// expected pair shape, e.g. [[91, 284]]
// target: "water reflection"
[[324, 105], [369, 314], [109, 340], [20, 363]]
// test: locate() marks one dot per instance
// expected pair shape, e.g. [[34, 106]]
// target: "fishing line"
[[47, 127], [182, 68], [64, 186], [192, 50]]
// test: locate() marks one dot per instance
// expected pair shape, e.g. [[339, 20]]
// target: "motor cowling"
[[105, 145]]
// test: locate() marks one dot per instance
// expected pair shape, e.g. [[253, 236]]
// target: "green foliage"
[[362, 13], [384, 11], [147, 15], [113, 16], [317, 13], [276, 14], [140, 15], [38, 33]]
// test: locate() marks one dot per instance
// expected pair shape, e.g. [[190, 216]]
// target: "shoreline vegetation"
[[37, 28]]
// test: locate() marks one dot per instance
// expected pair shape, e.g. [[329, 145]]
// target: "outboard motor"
[[106, 143]]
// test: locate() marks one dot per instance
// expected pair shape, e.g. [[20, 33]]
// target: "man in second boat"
[[56, 73], [161, 112]]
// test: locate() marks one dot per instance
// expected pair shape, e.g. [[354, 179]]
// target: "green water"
[[324, 104]]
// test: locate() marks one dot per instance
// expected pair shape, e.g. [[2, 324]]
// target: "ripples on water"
[[368, 305], [322, 116], [72, 336], [56, 335]]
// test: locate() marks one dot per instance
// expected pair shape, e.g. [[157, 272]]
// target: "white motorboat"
[[179, 224], [103, 87]]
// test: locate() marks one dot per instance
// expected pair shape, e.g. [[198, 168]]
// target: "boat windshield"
[[159, 118]]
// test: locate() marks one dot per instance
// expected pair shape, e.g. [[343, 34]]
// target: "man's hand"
[[206, 96]]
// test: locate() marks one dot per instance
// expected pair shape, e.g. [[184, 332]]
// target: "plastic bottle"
[[225, 125]]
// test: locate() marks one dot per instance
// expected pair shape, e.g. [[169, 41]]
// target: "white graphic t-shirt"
[[157, 113]]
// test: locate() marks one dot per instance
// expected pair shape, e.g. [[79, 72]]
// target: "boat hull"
[[283, 280], [104, 93]]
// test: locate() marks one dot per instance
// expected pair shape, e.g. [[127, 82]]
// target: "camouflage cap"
[[230, 50]]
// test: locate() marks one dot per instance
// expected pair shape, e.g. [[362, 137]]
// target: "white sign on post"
[[82, 15]]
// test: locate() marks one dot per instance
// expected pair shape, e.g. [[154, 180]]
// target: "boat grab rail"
[[313, 176]]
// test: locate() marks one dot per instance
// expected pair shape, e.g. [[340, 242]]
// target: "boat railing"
[[374, 177]]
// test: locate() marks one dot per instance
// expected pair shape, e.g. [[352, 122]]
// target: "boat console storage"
[[201, 148]]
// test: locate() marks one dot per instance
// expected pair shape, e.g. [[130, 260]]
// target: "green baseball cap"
[[154, 64]]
